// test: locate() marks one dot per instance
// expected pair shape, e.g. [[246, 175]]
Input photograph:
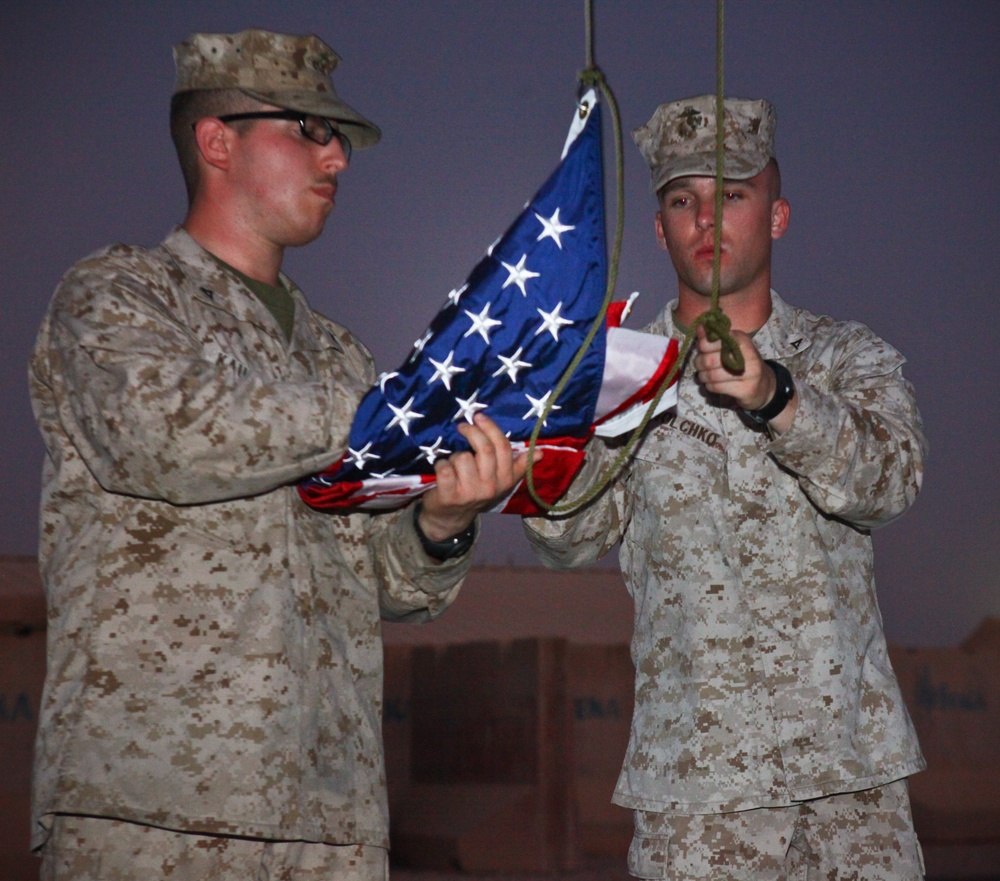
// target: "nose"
[[705, 218], [334, 158]]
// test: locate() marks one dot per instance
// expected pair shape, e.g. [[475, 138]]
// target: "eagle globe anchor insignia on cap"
[[289, 71]]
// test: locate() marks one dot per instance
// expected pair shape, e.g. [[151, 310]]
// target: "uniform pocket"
[[649, 856], [649, 852]]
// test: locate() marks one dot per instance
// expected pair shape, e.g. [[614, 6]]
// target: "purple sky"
[[888, 136]]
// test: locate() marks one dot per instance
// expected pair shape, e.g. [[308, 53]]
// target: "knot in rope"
[[717, 327], [592, 76]]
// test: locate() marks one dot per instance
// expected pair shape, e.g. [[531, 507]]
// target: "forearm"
[[413, 586], [581, 538], [858, 453]]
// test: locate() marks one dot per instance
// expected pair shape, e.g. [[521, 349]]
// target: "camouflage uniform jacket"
[[215, 657], [762, 676]]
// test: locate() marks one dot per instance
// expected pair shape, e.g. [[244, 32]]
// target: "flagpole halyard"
[[715, 321], [589, 77]]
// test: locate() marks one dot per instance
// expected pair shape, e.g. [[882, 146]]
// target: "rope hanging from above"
[[715, 321]]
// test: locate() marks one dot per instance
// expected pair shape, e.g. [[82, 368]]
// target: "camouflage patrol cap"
[[285, 70], [679, 139]]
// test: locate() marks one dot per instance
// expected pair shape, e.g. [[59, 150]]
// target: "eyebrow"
[[678, 182], [678, 186]]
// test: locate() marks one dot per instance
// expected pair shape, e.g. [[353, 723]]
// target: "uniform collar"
[[220, 288], [780, 337]]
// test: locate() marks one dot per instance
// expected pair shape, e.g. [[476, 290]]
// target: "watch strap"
[[455, 546], [783, 392]]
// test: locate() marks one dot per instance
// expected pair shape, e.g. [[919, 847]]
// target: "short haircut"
[[775, 180], [186, 108]]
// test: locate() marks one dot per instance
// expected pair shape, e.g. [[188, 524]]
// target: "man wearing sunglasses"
[[212, 707]]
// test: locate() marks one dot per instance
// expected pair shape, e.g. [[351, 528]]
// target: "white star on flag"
[[512, 365], [404, 416], [445, 370], [552, 321], [552, 228], [418, 345], [359, 458], [519, 274], [468, 407], [538, 407], [384, 378], [482, 323], [434, 451]]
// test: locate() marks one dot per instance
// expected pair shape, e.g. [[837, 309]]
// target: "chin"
[[304, 237]]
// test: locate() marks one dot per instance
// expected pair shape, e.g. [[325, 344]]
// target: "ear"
[[660, 237], [780, 213], [214, 140]]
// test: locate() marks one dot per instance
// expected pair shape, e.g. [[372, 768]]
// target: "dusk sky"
[[888, 137]]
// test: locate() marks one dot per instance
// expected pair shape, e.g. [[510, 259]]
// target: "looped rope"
[[717, 327], [714, 320]]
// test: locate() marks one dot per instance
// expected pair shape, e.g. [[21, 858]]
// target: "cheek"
[[274, 181], [668, 233], [749, 226]]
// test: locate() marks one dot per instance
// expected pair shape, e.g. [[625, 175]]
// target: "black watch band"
[[455, 546], [783, 392]]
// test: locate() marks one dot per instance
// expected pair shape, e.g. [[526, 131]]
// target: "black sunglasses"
[[317, 128]]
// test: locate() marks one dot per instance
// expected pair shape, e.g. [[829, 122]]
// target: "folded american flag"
[[501, 344]]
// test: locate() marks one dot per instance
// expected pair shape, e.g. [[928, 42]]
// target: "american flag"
[[500, 345]]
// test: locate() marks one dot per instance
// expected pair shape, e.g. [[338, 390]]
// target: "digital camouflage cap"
[[288, 71], [679, 139]]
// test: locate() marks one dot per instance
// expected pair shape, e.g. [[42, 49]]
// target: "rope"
[[588, 14], [714, 320]]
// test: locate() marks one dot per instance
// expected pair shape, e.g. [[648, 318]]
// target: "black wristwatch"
[[450, 547], [783, 392]]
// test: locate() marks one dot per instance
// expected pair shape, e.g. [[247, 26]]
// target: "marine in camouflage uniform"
[[769, 736], [215, 657]]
